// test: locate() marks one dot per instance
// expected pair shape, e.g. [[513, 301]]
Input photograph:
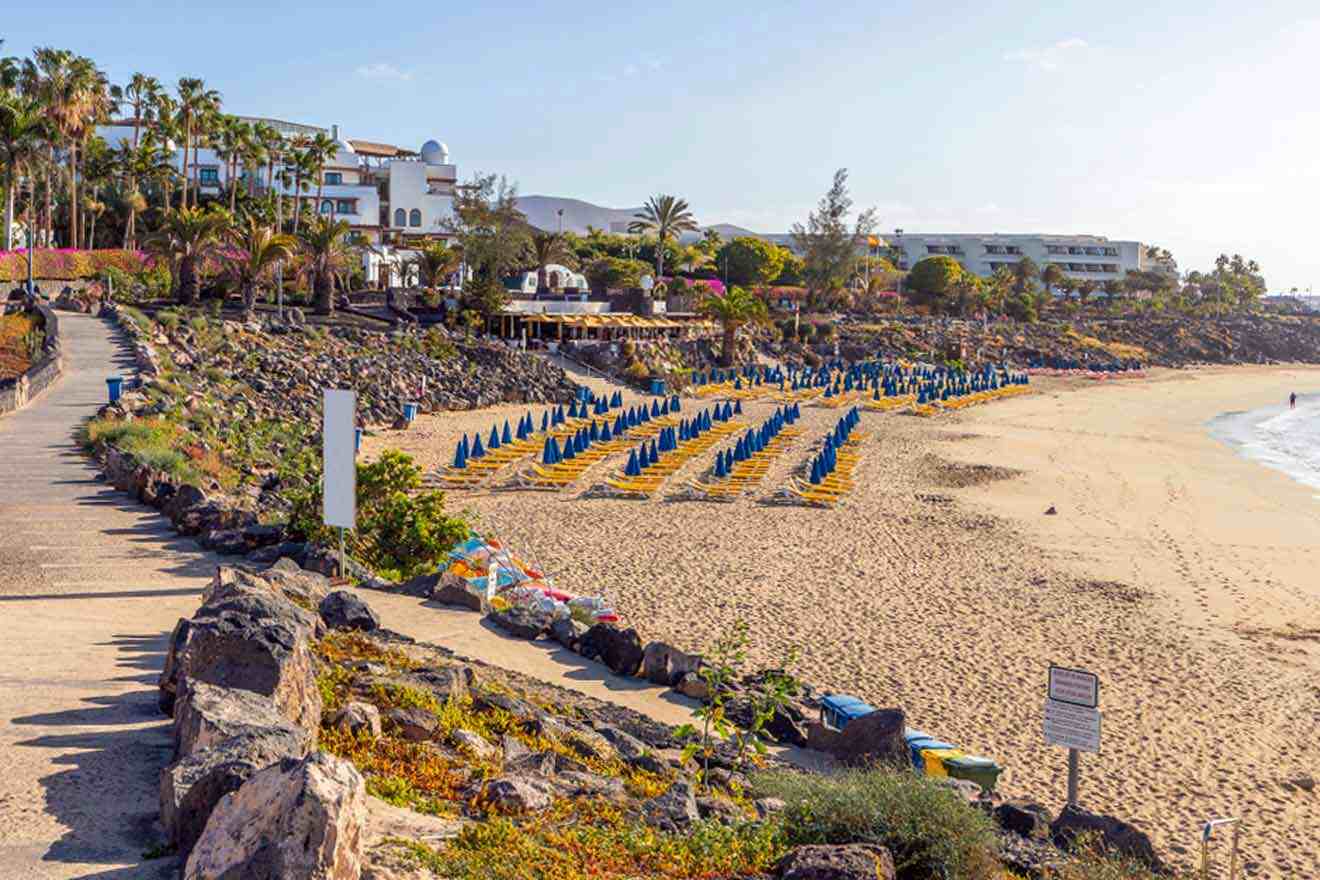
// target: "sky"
[[1190, 124]]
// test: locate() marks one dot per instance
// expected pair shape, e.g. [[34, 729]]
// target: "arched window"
[[327, 207], [400, 217], [554, 280], [414, 217]]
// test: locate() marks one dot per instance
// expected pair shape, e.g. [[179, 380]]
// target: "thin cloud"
[[1050, 57], [382, 71]]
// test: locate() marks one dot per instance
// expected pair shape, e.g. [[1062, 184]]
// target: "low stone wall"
[[15, 393]]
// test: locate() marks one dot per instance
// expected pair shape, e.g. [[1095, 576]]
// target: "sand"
[[1176, 570]]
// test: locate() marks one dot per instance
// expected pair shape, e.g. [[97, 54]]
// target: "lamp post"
[[560, 212], [32, 197]]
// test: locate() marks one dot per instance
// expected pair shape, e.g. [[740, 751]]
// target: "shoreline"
[[940, 586]]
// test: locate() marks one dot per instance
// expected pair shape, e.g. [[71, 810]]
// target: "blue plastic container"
[[837, 710], [657, 386], [357, 439], [409, 412], [916, 741], [116, 387]]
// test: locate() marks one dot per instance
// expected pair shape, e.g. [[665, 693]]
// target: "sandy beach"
[[1177, 570]]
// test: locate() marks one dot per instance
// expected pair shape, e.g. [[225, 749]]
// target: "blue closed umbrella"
[[460, 457], [568, 449], [675, 404], [494, 442], [545, 421], [605, 433], [477, 450], [594, 435], [737, 407], [653, 457], [655, 410], [632, 469]]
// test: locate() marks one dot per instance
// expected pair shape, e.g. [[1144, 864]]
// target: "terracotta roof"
[[371, 148]]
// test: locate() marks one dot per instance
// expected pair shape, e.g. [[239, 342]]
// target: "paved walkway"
[[90, 586]]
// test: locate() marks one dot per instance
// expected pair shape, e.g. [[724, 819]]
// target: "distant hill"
[[542, 212]]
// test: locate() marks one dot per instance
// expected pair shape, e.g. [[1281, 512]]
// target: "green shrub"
[[436, 345], [150, 441], [169, 319], [930, 830], [401, 532]]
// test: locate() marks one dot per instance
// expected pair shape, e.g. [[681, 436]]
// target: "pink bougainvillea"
[[68, 264]]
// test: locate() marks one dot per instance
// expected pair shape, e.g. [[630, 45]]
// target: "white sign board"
[[1076, 686], [1073, 727], [340, 459]]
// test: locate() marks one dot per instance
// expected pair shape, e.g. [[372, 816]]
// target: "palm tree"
[[146, 162], [733, 310], [435, 263], [669, 217], [195, 102], [320, 150], [1051, 275], [298, 163], [325, 247], [185, 236], [22, 126], [254, 252], [141, 94], [547, 247]]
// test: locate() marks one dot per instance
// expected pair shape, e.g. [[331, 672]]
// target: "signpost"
[[339, 473], [1072, 717]]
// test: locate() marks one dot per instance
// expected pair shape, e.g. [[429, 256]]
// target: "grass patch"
[[929, 830], [576, 840], [350, 647], [17, 333], [412, 774], [151, 441]]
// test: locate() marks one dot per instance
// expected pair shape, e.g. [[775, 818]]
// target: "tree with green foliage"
[[792, 273], [733, 310], [830, 248], [435, 263], [750, 260], [547, 248], [494, 236], [326, 256], [1051, 275], [613, 273], [668, 217], [933, 280], [253, 253], [185, 237]]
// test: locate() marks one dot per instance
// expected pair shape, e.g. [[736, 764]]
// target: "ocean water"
[[1276, 436]]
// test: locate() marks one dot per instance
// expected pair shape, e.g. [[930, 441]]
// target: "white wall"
[[972, 251], [408, 191]]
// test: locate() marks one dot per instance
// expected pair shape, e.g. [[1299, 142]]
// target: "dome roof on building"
[[435, 153]]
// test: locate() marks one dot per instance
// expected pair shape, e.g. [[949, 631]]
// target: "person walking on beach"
[[1292, 400]]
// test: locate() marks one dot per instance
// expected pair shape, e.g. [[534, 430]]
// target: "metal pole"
[[1073, 755], [30, 287], [343, 560]]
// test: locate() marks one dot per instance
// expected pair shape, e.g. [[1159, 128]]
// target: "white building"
[[389, 195], [1084, 257], [557, 277]]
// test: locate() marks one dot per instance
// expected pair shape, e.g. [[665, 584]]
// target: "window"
[[208, 176], [955, 249], [1111, 252], [994, 249], [414, 217], [1110, 267], [1093, 267], [334, 178], [400, 217], [934, 249], [1056, 249], [1012, 249], [1074, 267], [1074, 250], [1093, 252], [345, 206], [327, 207]]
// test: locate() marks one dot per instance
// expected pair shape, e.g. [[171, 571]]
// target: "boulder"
[[414, 724], [344, 610], [787, 725], [357, 717], [1024, 818], [628, 746], [192, 786], [521, 623], [518, 794], [261, 595], [577, 783], [275, 552], [853, 861], [865, 740], [665, 665], [185, 497], [296, 819], [447, 682], [567, 632], [168, 683], [719, 810], [522, 710], [768, 806], [450, 590], [475, 745], [675, 810], [693, 686], [300, 586], [1116, 835], [255, 643], [524, 762], [205, 714], [619, 649]]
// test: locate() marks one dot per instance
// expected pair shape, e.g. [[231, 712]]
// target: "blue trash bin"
[[409, 412], [657, 386], [116, 386], [357, 439]]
